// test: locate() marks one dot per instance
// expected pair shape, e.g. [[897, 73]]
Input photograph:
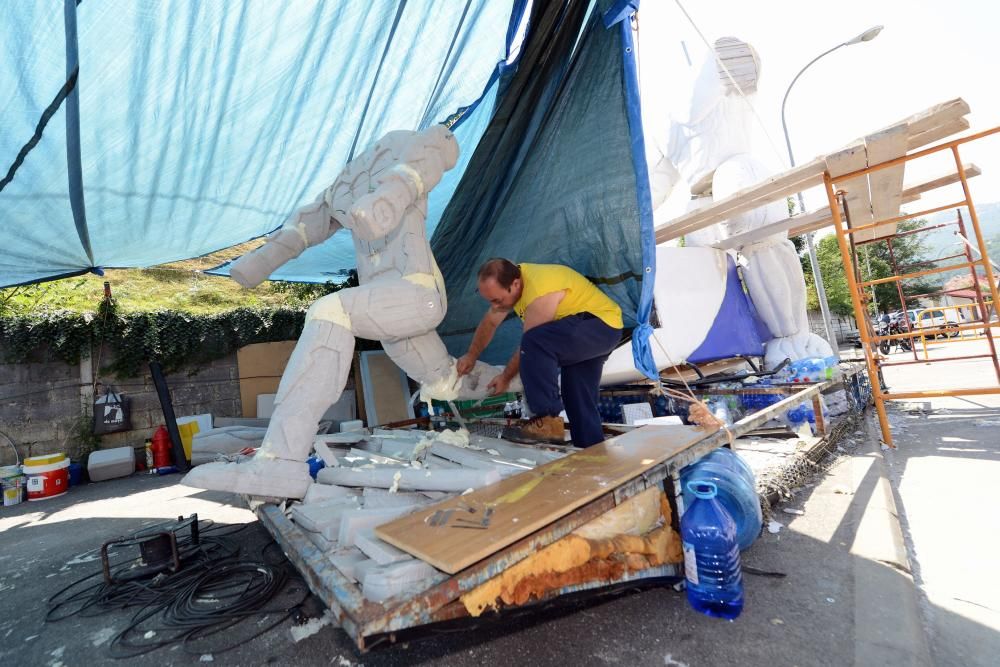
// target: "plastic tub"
[[47, 476]]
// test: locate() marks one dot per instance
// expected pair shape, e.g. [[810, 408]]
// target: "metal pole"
[[824, 306]]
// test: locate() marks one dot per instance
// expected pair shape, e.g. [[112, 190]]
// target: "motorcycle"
[[889, 329]]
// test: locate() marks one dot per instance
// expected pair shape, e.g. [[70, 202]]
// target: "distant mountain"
[[943, 242]]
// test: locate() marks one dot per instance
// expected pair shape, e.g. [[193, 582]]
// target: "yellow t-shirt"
[[582, 296]]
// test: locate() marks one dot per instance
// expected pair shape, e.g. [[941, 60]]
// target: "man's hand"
[[498, 385], [465, 364]]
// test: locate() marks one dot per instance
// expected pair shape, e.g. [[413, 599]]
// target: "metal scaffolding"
[[849, 248]]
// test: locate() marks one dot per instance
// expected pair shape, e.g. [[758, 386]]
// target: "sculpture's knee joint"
[[329, 309]]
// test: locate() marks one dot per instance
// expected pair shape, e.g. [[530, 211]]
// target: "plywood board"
[[260, 368], [527, 502], [386, 389]]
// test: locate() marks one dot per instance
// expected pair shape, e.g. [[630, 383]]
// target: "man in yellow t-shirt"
[[570, 328]]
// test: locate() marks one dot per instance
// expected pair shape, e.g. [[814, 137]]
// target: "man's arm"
[[484, 334], [543, 309], [499, 384]]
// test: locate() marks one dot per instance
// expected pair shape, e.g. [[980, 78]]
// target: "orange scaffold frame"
[[870, 340]]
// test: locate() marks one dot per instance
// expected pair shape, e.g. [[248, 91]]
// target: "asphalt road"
[[834, 604]]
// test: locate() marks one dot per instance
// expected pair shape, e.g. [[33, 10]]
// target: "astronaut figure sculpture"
[[381, 198], [712, 151]]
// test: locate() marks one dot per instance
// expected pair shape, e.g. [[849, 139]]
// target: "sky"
[[928, 52]]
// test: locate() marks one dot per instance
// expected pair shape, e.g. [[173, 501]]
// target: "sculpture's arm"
[[374, 215], [309, 226]]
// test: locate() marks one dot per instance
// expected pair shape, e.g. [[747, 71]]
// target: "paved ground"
[[945, 472], [847, 597]]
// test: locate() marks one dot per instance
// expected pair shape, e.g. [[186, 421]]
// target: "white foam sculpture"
[[381, 198], [710, 148]]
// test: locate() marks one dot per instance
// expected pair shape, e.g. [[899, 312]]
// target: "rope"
[[698, 413]]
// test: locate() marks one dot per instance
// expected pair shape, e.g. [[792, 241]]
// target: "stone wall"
[[45, 402]]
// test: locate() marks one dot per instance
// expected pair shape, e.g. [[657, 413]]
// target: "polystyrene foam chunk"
[[408, 577], [381, 552], [354, 520], [111, 463], [347, 560], [318, 493], [324, 517]]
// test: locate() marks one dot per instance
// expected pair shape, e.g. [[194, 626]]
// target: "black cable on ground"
[[214, 591]]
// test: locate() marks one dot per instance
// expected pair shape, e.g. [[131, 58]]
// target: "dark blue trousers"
[[577, 346]]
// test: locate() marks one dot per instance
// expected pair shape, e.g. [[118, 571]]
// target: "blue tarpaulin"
[[201, 125], [140, 132]]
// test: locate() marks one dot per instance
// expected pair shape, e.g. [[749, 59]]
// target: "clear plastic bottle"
[[711, 555]]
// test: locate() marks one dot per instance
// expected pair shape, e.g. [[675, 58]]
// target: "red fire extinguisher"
[[161, 448]]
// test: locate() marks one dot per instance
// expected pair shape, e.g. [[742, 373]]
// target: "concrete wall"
[[43, 400], [843, 327]]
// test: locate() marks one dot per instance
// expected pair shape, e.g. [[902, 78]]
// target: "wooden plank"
[[534, 499], [773, 189], [912, 193], [932, 117], [845, 161], [754, 235], [933, 123], [886, 185], [822, 218], [938, 132]]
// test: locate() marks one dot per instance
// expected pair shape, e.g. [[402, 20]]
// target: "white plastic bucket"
[[11, 485]]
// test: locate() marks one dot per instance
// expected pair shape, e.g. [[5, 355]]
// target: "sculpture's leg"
[[777, 287], [312, 381]]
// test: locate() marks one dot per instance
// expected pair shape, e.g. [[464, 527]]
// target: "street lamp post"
[[824, 307]]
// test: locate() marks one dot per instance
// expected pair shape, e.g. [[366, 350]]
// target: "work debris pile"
[[368, 479]]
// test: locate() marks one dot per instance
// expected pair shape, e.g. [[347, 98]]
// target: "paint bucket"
[[11, 485], [47, 476]]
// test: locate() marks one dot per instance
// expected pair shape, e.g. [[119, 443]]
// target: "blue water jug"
[[736, 488], [711, 555]]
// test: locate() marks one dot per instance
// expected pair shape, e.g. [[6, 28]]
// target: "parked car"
[[937, 318]]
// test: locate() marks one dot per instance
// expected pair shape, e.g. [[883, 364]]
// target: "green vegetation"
[[179, 286], [874, 264], [173, 314]]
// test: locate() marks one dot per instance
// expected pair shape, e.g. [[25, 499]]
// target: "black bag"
[[112, 414]]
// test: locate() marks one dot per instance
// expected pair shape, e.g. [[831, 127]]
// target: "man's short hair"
[[501, 270]]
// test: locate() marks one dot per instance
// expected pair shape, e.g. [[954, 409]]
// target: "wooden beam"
[[886, 186], [753, 235], [773, 189], [821, 218], [912, 193], [938, 132], [936, 122]]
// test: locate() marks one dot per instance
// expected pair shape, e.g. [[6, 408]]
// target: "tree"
[[875, 263]]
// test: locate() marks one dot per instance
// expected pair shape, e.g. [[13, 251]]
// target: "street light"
[[824, 307]]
